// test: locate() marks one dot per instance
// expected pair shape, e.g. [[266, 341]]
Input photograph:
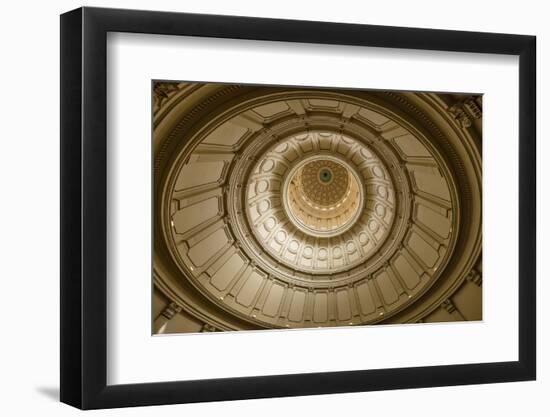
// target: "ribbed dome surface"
[[323, 183], [309, 208], [311, 228]]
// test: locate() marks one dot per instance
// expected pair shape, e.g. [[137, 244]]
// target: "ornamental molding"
[[226, 198]]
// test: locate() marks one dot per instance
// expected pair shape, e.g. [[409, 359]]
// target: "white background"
[[314, 350], [29, 229]]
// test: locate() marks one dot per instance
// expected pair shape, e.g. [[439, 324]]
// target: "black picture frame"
[[84, 207]]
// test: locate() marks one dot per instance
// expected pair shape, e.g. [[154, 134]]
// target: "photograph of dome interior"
[[297, 207]]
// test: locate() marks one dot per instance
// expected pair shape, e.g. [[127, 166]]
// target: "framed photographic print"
[[257, 208]]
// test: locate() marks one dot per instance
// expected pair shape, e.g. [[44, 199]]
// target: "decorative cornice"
[[171, 310], [475, 277], [465, 111], [208, 328], [162, 91], [448, 306]]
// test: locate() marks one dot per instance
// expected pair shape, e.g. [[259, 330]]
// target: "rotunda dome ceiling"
[[308, 208], [323, 197], [323, 183], [309, 220]]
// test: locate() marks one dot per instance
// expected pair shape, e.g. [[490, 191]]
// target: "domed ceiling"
[[299, 207]]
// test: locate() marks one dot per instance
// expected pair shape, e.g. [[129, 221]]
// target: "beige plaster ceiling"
[[301, 208]]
